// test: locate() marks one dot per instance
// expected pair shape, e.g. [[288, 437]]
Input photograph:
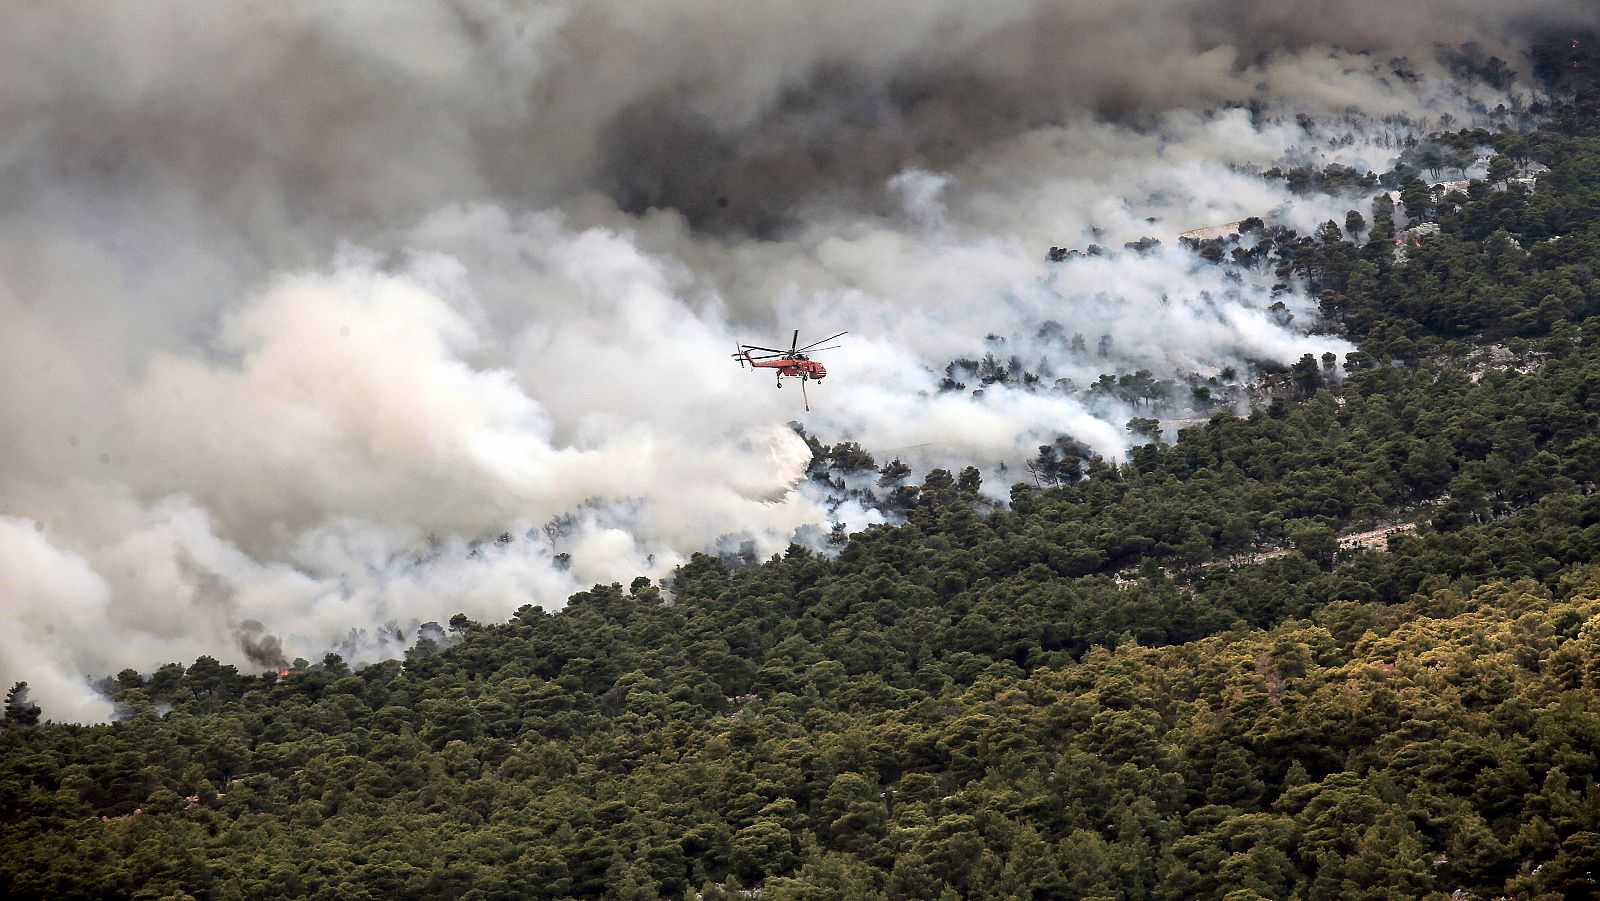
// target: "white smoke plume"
[[321, 321]]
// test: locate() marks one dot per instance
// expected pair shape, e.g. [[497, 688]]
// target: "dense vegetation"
[[1104, 689]]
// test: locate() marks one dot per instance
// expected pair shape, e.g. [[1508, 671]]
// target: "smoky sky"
[[303, 305], [298, 115]]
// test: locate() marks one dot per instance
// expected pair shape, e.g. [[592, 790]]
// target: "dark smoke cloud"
[[260, 647], [843, 125], [302, 115]]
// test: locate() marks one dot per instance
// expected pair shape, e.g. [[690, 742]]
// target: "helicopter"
[[794, 363]]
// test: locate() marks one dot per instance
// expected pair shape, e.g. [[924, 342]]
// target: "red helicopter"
[[792, 363]]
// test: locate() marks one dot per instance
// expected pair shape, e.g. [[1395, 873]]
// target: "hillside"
[[1115, 687]]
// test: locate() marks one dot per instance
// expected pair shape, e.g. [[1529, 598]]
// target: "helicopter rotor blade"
[[812, 350], [794, 343], [823, 341], [770, 350]]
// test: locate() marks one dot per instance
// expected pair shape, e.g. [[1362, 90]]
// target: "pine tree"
[[21, 713]]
